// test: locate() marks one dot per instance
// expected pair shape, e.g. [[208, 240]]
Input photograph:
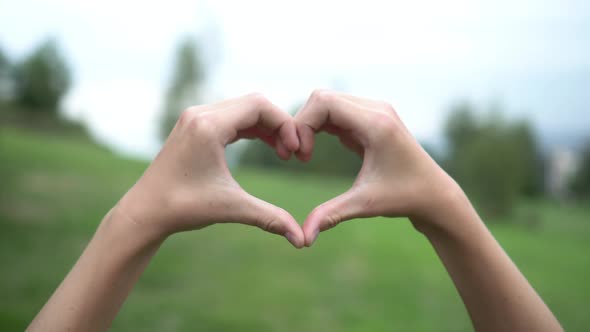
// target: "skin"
[[398, 178], [188, 186]]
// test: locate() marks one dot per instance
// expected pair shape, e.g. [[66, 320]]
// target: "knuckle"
[[387, 107], [258, 99], [331, 221], [390, 110], [383, 124], [320, 95], [328, 216], [202, 125], [268, 225], [186, 115]]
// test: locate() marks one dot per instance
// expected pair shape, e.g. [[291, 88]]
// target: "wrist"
[[125, 220], [146, 208], [447, 213]]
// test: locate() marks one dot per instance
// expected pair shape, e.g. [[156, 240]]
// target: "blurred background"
[[496, 91]]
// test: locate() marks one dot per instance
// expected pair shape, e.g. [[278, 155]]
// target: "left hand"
[[189, 186]]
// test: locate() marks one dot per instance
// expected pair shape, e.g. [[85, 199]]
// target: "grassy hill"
[[369, 275]]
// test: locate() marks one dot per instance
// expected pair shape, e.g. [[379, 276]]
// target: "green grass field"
[[369, 275]]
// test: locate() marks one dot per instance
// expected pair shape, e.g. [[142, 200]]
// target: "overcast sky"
[[531, 56]]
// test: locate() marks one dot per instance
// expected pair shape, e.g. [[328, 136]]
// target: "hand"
[[189, 186], [398, 178]]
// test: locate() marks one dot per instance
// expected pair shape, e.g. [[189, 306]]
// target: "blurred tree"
[[43, 78], [329, 157], [581, 180], [185, 84], [487, 166], [4, 62], [531, 159], [493, 159], [461, 127], [6, 78]]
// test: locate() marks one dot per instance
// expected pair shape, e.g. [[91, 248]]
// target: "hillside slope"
[[369, 275]]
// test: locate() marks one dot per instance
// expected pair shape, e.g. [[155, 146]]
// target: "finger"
[[306, 137], [332, 130], [347, 206], [328, 108], [282, 150], [272, 219], [345, 137], [272, 141], [253, 110], [352, 144], [374, 104]]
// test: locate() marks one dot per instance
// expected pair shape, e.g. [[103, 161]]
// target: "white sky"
[[532, 56]]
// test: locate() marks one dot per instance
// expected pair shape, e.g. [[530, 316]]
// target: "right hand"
[[398, 178]]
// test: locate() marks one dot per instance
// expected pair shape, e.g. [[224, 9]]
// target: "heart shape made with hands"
[[189, 186], [391, 181]]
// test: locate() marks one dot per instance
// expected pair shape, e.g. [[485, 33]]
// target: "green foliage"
[[581, 180], [488, 169], [493, 159], [185, 84], [4, 62], [530, 158], [369, 275], [461, 127], [6, 80], [43, 79]]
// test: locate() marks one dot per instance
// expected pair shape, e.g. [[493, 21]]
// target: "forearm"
[[496, 294], [92, 293]]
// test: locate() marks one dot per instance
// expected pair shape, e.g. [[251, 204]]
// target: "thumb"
[[273, 219], [348, 205]]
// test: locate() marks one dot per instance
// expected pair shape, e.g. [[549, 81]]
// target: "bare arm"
[[497, 296], [92, 293], [398, 178], [187, 186]]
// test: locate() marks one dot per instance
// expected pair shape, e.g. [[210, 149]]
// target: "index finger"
[[254, 109], [328, 108]]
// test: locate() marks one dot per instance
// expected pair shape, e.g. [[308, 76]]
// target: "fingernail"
[[313, 237]]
